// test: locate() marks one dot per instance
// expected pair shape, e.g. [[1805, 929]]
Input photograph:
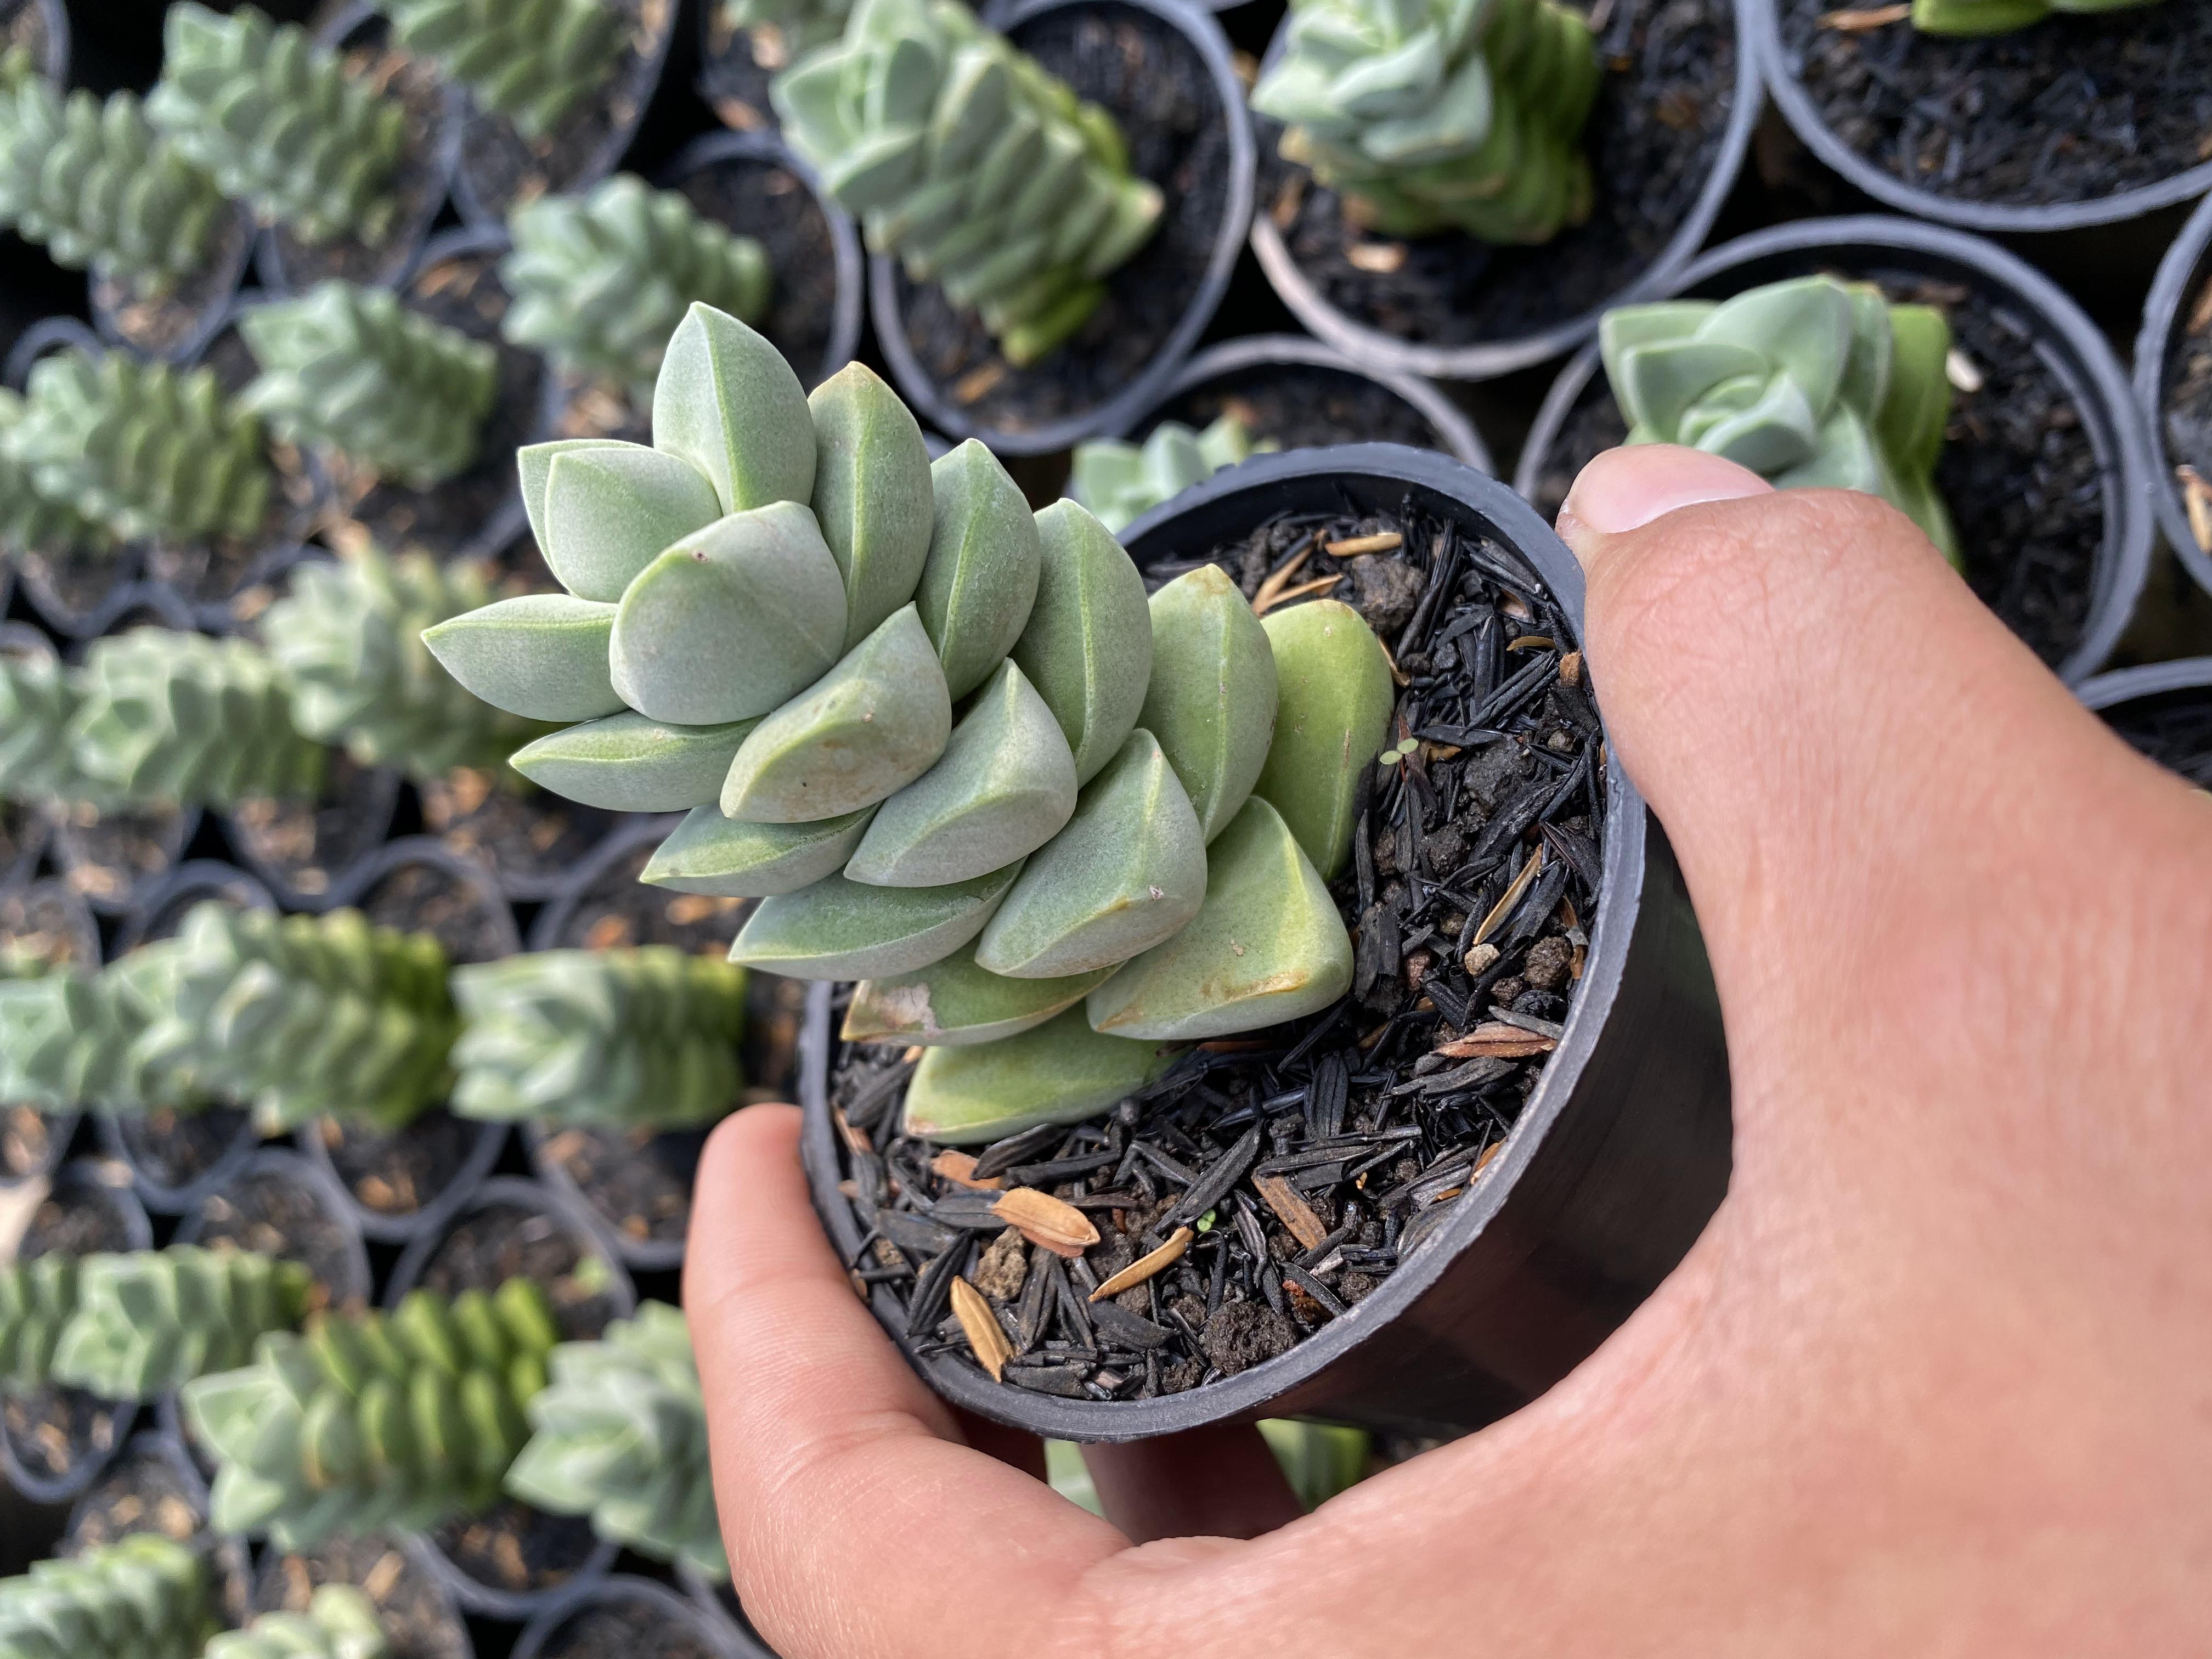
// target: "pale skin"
[[1937, 1380]]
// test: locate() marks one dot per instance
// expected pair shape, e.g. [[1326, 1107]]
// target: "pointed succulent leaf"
[[629, 763], [144, 1595], [339, 1623], [872, 493], [1211, 698], [1060, 1071], [1267, 945], [982, 575], [955, 1003], [729, 858], [1087, 646], [863, 731], [731, 620], [1330, 716], [38, 700], [543, 656], [532, 61], [150, 1320], [1128, 872], [603, 511], [37, 1299], [727, 402], [838, 929]]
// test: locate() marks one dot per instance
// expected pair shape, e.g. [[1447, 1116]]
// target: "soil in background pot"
[[736, 65], [145, 1490], [1319, 1155], [2174, 730], [41, 921], [52, 1430], [417, 1616], [307, 845], [471, 923], [108, 856], [268, 1211], [621, 1627], [162, 325], [528, 835], [1301, 406]]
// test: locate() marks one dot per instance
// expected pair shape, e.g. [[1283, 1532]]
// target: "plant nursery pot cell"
[[398, 1177], [628, 1617], [47, 923], [609, 907], [177, 322], [2164, 711], [154, 1487], [459, 904], [74, 591], [500, 170], [418, 1616], [1296, 393], [280, 1206], [112, 857], [2174, 386], [305, 849], [636, 1183], [532, 838]]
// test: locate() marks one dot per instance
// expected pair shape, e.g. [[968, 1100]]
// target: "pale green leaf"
[[1332, 716], [542, 655], [838, 929], [1211, 699], [629, 763], [955, 1003], [728, 402], [981, 574], [606, 512], [729, 858], [872, 493], [1060, 1071], [1088, 644]]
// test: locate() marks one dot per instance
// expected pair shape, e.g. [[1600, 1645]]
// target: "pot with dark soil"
[[2173, 389], [2069, 120], [44, 927], [511, 1559], [2164, 710], [1411, 237], [155, 1487], [55, 1440], [2043, 473], [623, 1616], [417, 1611]]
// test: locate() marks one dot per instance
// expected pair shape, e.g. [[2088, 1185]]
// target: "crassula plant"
[[37, 1297], [38, 700], [74, 1037], [277, 122], [143, 1595], [531, 61], [1434, 115], [339, 1623], [1121, 482], [1811, 383], [142, 1323], [31, 521], [601, 280], [983, 172], [353, 369], [2003, 16]]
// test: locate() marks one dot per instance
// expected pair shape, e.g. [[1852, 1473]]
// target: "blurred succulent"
[[2003, 16], [374, 1421], [143, 1595], [532, 61], [637, 1038], [340, 1623], [29, 521], [1433, 115], [38, 700], [72, 1038], [353, 369], [620, 1434], [982, 172], [1811, 383], [143, 449], [278, 121], [164, 715], [16, 66], [150, 1320], [1121, 482], [348, 635], [601, 280], [803, 24], [298, 1016], [37, 1298], [98, 186]]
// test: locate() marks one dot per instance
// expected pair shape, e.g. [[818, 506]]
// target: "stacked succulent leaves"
[[532, 61], [145, 1594], [1121, 482], [340, 1623]]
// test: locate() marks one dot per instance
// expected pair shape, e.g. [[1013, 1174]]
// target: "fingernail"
[[1626, 489]]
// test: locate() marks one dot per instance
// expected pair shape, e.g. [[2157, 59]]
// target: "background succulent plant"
[[340, 1623], [1430, 115], [71, 1038], [620, 1434], [637, 1038], [981, 171], [37, 1298], [145, 1595], [30, 521], [277, 121], [601, 280], [353, 369], [2003, 16], [1121, 482], [532, 61], [374, 1421], [804, 24], [37, 700], [1811, 383], [149, 1320]]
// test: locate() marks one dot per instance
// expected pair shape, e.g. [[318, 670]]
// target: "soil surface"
[[1151, 80], [309, 847], [2188, 404], [628, 1629], [417, 1616], [2070, 109], [1653, 139], [528, 835], [173, 1150], [145, 1490], [736, 66], [639, 1182], [52, 1430], [398, 1172], [1300, 406], [473, 924], [2019, 472], [2175, 729], [108, 856], [1318, 1156], [159, 324], [271, 1213]]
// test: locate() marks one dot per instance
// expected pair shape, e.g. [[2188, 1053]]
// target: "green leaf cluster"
[[340, 1623], [532, 61], [37, 700], [144, 1595], [2004, 16], [1121, 482], [31, 522], [73, 1038], [38, 1299], [147, 1321]]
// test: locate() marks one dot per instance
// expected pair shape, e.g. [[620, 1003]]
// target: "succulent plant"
[[298, 1016], [2003, 16], [982, 172], [277, 121], [143, 1595], [98, 186], [601, 280], [637, 1038], [340, 1623], [532, 61], [802, 24], [353, 369], [1121, 482], [620, 1434], [164, 715], [31, 522], [150, 1320], [70, 1038], [1432, 115], [374, 1421], [37, 1299], [142, 449], [1813, 383], [38, 700]]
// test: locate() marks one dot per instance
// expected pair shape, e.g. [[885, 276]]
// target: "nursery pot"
[[938, 400], [2176, 293], [32, 1141], [2023, 302], [2128, 696], [1971, 61], [639, 1618], [419, 1618], [1617, 1161], [719, 1603], [175, 325], [1521, 344], [140, 1491]]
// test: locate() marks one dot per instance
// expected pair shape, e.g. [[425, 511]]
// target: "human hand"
[[1938, 1378]]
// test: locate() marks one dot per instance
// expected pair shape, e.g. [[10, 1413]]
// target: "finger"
[[1216, 1482], [827, 1447]]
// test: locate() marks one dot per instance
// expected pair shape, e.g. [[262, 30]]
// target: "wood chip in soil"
[[411, 1607], [268, 1211]]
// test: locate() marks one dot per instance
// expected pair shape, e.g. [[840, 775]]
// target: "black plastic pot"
[[419, 1618], [2176, 290], [151, 1487], [91, 1188], [719, 1603], [1482, 360], [936, 405], [1616, 1162], [32, 1142], [177, 325], [421, 179], [367, 802], [691, 1627], [2066, 341], [1797, 108], [498, 170], [2128, 694]]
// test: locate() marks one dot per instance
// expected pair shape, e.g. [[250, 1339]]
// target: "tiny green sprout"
[[1404, 749]]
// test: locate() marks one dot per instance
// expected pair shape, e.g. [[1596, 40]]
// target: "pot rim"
[[2124, 685], [361, 1283], [714, 1633], [2178, 275]]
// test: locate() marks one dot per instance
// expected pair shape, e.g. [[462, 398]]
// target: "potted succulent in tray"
[[144, 1593], [2001, 115], [417, 1613], [1459, 190], [155, 1487], [1119, 482]]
